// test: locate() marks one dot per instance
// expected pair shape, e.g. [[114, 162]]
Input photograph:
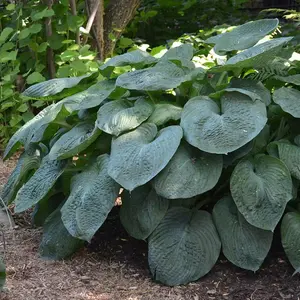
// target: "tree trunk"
[[50, 53], [110, 22]]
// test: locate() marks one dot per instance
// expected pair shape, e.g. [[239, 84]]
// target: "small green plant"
[[24, 45], [208, 157]]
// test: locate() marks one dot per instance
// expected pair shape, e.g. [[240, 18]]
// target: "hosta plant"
[[208, 157]]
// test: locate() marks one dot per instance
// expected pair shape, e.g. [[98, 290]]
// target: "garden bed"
[[114, 266]]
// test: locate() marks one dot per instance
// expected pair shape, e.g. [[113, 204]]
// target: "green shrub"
[[208, 156]]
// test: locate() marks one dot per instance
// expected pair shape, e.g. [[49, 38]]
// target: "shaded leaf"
[[244, 245], [183, 247], [190, 172], [28, 161], [141, 211], [92, 197], [261, 189], [288, 99], [165, 112], [57, 243], [38, 186], [289, 154], [74, 141], [290, 238]]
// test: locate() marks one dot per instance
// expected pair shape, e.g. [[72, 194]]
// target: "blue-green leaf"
[[92, 197], [183, 247], [118, 116], [244, 245], [57, 243], [74, 141], [222, 129], [138, 156], [190, 172], [141, 211], [261, 188], [38, 186]]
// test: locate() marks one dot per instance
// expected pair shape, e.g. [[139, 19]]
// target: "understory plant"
[[208, 155]]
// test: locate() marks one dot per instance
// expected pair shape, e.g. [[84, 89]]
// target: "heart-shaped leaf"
[[289, 100], [118, 116], [190, 172], [244, 245], [141, 211], [138, 156], [92, 197], [74, 141], [261, 189], [224, 130], [183, 247], [243, 36]]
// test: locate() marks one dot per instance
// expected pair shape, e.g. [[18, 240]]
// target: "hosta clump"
[[208, 158]]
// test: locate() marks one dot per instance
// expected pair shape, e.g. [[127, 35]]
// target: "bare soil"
[[114, 267]]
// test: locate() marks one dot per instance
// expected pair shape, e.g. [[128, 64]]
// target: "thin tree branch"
[[50, 53], [74, 13]]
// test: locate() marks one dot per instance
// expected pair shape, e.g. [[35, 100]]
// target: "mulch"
[[114, 267]]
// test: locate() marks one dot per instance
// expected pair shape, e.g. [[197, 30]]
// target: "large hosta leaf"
[[289, 100], [141, 211], [290, 237], [257, 56], [224, 130], [25, 133], [52, 87], [163, 76], [165, 112], [190, 172], [57, 243], [118, 116], [74, 141], [28, 161], [38, 186], [293, 79], [243, 36], [92, 197], [289, 154], [138, 156], [248, 86], [261, 189], [244, 245], [184, 246], [91, 97], [132, 58]]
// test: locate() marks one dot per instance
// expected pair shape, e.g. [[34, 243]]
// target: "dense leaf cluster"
[[207, 156]]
